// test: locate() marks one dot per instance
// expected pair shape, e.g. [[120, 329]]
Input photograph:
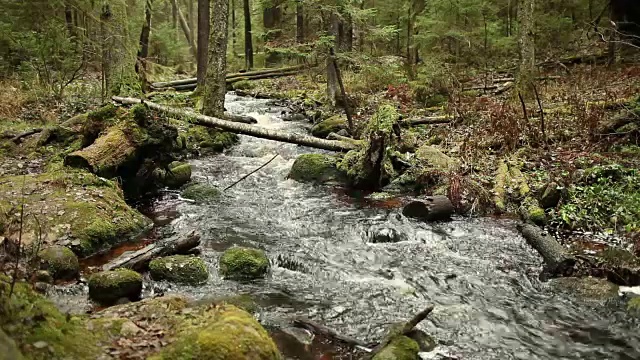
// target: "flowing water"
[[479, 273]]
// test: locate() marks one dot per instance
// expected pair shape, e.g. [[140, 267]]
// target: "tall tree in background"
[[332, 76], [416, 8], [233, 28], [272, 22], [526, 45], [299, 22], [143, 51], [186, 30], [215, 85], [203, 39], [248, 42]]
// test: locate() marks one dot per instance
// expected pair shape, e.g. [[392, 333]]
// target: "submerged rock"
[[588, 288], [385, 235], [201, 192], [107, 287], [60, 262], [317, 168], [75, 208], [229, 334], [430, 208], [182, 269], [326, 127], [244, 263], [178, 175], [400, 348]]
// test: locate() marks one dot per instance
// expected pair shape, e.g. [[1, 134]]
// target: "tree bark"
[[105, 18], [186, 30], [430, 208], [143, 50], [68, 17], [417, 7], [203, 40], [299, 22], [248, 42], [244, 129], [343, 93], [272, 22], [526, 45], [332, 77], [233, 28], [215, 83], [139, 259], [191, 17]]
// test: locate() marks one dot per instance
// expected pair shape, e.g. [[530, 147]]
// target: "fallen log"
[[189, 81], [443, 119], [17, 138], [334, 136], [244, 129], [429, 208], [230, 82], [240, 118], [556, 258], [320, 329], [139, 259]]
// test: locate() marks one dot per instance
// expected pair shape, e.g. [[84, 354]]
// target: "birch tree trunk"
[[526, 45], [203, 39], [248, 42], [215, 84]]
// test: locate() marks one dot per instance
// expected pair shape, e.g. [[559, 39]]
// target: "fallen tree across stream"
[[244, 129], [138, 260], [189, 84]]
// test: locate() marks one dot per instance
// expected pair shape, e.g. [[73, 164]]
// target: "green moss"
[[87, 210], [332, 124], [201, 192], [531, 211], [107, 287], [229, 334], [431, 158], [633, 306], [619, 257], [181, 269], [60, 262], [8, 348], [400, 348], [243, 85], [180, 174], [500, 187], [29, 318], [314, 168], [244, 263], [103, 113]]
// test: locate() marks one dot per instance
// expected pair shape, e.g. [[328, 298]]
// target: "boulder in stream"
[[331, 125], [107, 287], [60, 262], [244, 263], [430, 208], [179, 174], [399, 348], [318, 168], [228, 334], [385, 235], [201, 192], [182, 269]]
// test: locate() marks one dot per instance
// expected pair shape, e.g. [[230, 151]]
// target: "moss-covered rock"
[[60, 262], [230, 334], [551, 195], [8, 348], [399, 348], [531, 211], [633, 306], [326, 127], [244, 263], [69, 207], [201, 192], [588, 288], [107, 287], [181, 269], [430, 157], [178, 175], [40, 330], [243, 85], [195, 138], [317, 168]]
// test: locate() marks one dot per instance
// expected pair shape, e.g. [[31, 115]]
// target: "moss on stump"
[[201, 192], [317, 168], [182, 269], [60, 262], [326, 127], [230, 334], [244, 263], [108, 287]]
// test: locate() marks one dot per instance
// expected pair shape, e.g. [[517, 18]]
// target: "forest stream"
[[479, 273]]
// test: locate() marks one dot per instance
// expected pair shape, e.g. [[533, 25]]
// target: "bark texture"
[[203, 39], [526, 45], [185, 29], [215, 83], [248, 41]]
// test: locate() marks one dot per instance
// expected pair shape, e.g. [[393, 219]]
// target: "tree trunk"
[[192, 19], [272, 21], [526, 44], [332, 77], [139, 259], [68, 17], [430, 208], [203, 40], [417, 7], [143, 50], [105, 17], [186, 30], [233, 28], [244, 129], [215, 84], [248, 42], [299, 22]]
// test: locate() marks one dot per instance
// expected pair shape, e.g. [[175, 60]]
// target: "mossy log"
[[244, 129], [430, 208], [139, 259], [105, 155]]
